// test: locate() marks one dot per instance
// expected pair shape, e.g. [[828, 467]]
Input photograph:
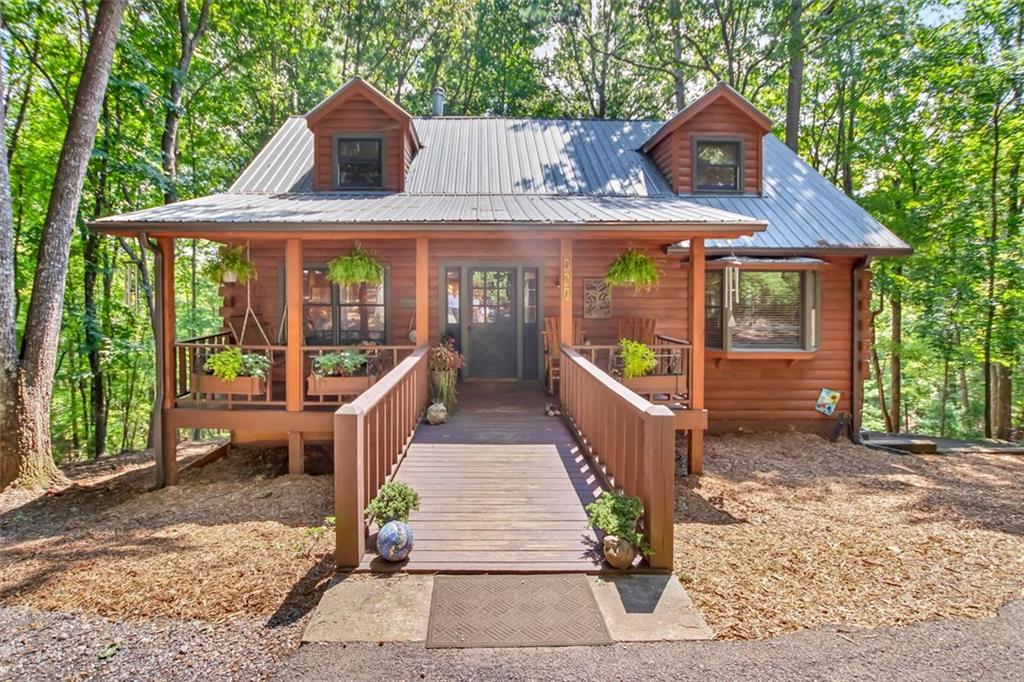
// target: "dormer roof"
[[722, 91]]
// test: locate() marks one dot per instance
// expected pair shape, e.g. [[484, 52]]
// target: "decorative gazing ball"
[[437, 414], [394, 541]]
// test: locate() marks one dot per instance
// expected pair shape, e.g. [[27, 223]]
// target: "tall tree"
[[26, 378]]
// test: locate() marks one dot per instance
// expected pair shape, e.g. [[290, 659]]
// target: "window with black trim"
[[338, 315], [761, 310], [359, 163], [719, 166]]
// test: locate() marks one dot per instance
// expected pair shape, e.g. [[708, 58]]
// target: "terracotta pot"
[[317, 385], [207, 383], [619, 553]]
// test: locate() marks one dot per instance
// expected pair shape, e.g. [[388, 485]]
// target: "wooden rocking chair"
[[638, 329], [552, 340]]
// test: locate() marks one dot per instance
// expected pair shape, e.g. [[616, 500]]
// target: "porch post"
[[422, 292], [565, 295], [696, 325], [167, 439], [293, 352]]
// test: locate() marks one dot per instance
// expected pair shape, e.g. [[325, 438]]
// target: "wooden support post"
[[695, 445], [658, 460], [349, 483], [565, 294], [293, 352], [167, 439], [422, 292]]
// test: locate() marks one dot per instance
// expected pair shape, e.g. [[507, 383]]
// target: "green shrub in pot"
[[617, 517]]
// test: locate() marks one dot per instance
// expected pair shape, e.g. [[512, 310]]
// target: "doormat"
[[514, 611]]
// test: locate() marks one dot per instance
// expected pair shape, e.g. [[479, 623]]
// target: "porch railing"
[[380, 361], [668, 382], [194, 386], [630, 438], [371, 436]]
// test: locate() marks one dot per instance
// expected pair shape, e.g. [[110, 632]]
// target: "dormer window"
[[719, 165], [359, 162]]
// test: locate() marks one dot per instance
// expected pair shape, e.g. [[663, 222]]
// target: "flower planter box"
[[667, 384], [337, 386], [207, 383]]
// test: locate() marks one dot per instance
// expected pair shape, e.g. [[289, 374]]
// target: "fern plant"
[[231, 363], [617, 515], [637, 359], [393, 502], [230, 266], [358, 266], [633, 268]]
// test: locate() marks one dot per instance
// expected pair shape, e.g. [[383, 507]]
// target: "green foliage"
[[637, 359], [616, 514], [358, 266], [339, 364], [230, 260], [444, 363], [633, 268], [393, 502], [231, 363]]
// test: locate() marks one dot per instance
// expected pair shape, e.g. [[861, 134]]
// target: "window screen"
[[360, 165], [769, 311], [718, 165]]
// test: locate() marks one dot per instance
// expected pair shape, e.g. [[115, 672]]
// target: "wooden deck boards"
[[502, 490]]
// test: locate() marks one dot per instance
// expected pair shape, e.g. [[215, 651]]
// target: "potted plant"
[[358, 266], [230, 266], [637, 362], [633, 268], [339, 373], [444, 363], [391, 508], [232, 372], [617, 516]]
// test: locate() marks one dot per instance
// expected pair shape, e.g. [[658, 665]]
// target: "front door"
[[493, 310]]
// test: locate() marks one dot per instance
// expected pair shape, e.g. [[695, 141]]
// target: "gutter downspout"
[[857, 389], [157, 423]]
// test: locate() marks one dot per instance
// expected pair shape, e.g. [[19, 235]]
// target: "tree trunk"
[[25, 449], [944, 399], [678, 81], [94, 343], [877, 365], [794, 91], [8, 300], [993, 236], [895, 361]]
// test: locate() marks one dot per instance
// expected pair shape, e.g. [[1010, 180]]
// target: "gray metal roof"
[[537, 171]]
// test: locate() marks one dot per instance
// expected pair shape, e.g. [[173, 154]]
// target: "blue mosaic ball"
[[394, 541]]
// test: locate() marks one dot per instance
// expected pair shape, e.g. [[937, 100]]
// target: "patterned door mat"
[[514, 610]]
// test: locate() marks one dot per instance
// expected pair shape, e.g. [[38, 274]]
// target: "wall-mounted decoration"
[[827, 401], [597, 299]]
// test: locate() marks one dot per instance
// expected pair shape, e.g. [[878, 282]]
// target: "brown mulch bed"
[[232, 540], [789, 531]]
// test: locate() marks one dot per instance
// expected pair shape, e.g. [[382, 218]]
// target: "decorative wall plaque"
[[597, 299]]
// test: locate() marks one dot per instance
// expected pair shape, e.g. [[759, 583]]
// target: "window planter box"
[[669, 384], [337, 386], [209, 384]]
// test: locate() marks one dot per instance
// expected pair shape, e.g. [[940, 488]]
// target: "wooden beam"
[[349, 481], [293, 306], [167, 439], [695, 447], [296, 453], [422, 292], [565, 293]]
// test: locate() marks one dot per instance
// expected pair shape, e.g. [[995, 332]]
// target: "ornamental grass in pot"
[[444, 363], [617, 517], [391, 508], [232, 372], [339, 373]]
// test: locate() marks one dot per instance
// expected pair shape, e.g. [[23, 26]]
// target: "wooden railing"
[[371, 435], [194, 387], [380, 361], [631, 439], [668, 382]]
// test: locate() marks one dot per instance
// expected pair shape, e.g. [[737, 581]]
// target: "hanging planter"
[[358, 266], [633, 268], [230, 266]]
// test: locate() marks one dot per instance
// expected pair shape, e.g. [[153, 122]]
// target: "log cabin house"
[[498, 232]]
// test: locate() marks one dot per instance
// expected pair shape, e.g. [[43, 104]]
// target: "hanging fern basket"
[[230, 266], [358, 266], [635, 269]]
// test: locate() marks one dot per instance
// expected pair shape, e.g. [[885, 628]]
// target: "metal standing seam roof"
[[536, 171]]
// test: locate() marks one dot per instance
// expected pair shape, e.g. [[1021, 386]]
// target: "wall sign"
[[597, 299]]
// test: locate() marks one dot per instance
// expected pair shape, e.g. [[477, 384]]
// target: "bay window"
[[761, 309]]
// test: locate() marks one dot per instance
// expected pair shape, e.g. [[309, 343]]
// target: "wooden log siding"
[[371, 436], [631, 439]]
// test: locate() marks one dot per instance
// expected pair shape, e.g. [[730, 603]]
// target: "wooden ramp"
[[510, 506]]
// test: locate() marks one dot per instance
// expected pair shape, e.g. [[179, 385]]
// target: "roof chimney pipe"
[[437, 109]]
